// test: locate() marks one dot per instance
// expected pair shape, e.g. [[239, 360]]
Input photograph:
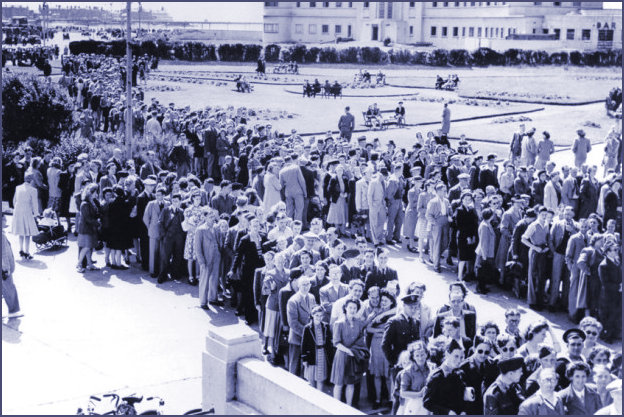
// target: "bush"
[[576, 58], [252, 52], [401, 56], [312, 54], [438, 58], [229, 52], [349, 55], [329, 55], [483, 57], [33, 108], [272, 53], [459, 58], [100, 146], [371, 55], [559, 58], [297, 54]]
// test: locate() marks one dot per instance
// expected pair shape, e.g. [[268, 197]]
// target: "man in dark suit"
[[173, 237], [310, 176], [382, 273], [489, 174], [150, 167], [578, 398], [504, 396], [457, 307], [588, 194], [401, 330], [210, 149], [350, 269]]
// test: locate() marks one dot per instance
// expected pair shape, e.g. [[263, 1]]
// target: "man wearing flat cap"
[[401, 330], [456, 191], [504, 396]]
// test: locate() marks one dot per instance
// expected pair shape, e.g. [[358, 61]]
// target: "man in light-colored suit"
[[570, 190], [377, 206], [208, 257], [294, 186], [150, 219], [438, 221], [361, 196], [576, 244], [298, 311]]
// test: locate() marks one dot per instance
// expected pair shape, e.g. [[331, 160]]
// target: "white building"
[[449, 25]]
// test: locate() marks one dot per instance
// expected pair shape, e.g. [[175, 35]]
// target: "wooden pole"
[[129, 113]]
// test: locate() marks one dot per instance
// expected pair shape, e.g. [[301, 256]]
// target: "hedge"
[[199, 51]]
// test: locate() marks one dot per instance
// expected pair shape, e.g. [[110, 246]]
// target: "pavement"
[[120, 331]]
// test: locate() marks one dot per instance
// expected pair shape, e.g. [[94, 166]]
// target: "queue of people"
[[292, 233]]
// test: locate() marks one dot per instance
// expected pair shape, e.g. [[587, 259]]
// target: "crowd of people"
[[22, 56], [293, 234]]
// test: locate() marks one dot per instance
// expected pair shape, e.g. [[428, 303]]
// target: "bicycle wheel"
[[126, 410]]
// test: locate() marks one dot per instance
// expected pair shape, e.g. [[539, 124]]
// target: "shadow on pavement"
[[33, 263], [10, 331]]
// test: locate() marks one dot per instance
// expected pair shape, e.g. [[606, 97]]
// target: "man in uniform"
[[401, 330], [574, 339], [504, 396]]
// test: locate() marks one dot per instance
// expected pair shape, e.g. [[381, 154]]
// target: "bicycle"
[[120, 405]]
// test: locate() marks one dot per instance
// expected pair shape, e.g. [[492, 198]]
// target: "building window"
[[487, 3], [270, 28], [350, 4], [479, 32], [298, 4], [380, 9], [325, 4], [412, 4], [411, 30], [455, 31], [446, 3], [338, 4], [456, 4], [271, 3], [338, 29], [324, 28], [557, 33], [570, 34], [502, 33], [312, 29], [605, 35], [312, 4], [471, 32], [298, 28], [487, 30], [463, 32], [444, 31], [389, 10], [586, 34], [366, 4], [576, 3], [545, 31], [556, 3], [434, 4], [473, 3], [497, 32], [434, 30]]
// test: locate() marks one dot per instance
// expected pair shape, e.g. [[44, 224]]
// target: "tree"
[[33, 108]]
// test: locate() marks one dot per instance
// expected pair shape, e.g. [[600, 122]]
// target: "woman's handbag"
[[236, 275]]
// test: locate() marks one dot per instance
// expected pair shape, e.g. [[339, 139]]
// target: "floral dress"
[[192, 218]]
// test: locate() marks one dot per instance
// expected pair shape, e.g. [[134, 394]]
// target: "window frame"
[[324, 29], [268, 28], [570, 32], [585, 32]]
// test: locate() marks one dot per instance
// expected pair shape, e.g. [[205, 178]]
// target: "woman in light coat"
[[272, 188], [26, 208]]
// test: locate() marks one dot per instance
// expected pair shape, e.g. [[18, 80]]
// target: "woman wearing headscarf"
[[54, 176], [484, 265], [34, 170], [337, 197]]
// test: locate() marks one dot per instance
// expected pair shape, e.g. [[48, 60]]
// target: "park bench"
[[385, 120]]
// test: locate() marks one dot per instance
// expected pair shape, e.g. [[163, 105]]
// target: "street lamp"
[[129, 115]]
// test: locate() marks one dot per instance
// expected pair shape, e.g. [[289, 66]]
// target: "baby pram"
[[51, 234]]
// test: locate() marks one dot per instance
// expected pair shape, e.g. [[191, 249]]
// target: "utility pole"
[[129, 113], [44, 22], [140, 10]]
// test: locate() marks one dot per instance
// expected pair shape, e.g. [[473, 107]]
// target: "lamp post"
[[129, 114]]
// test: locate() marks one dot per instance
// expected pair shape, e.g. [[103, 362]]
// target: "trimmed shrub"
[[272, 53], [559, 58], [483, 57], [329, 55], [229, 52], [371, 55], [401, 56], [438, 58], [459, 58], [312, 54], [297, 54], [576, 58], [349, 55], [252, 52]]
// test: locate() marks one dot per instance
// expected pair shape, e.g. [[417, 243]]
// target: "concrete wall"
[[236, 380], [272, 390]]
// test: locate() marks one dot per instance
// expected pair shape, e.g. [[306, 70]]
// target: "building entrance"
[[375, 36]]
